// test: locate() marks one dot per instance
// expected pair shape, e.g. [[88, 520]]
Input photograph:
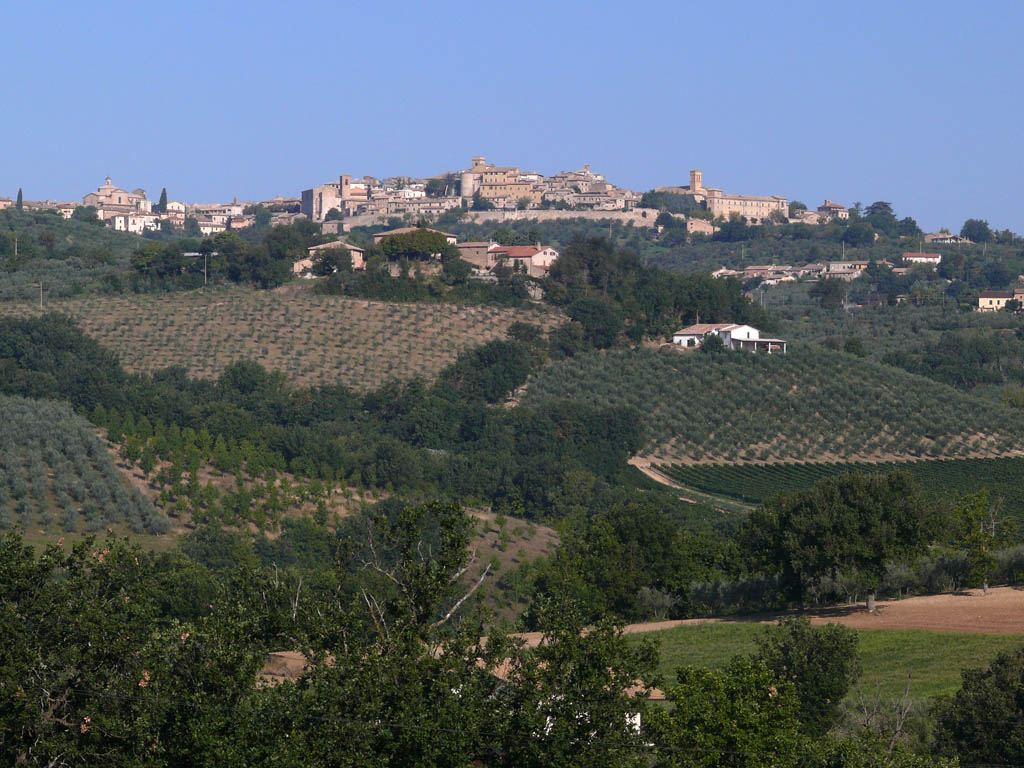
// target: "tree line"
[[130, 658]]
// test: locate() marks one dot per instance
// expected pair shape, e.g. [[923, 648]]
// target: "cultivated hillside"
[[313, 339], [66, 256], [56, 474], [812, 405]]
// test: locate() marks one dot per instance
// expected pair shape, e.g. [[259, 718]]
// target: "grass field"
[[942, 480], [313, 339], [809, 405], [929, 662]]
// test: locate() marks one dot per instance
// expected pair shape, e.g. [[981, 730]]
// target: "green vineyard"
[[1004, 478], [809, 405], [55, 474]]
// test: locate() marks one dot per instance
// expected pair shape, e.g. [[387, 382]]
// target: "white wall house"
[[136, 223], [932, 259], [734, 336]]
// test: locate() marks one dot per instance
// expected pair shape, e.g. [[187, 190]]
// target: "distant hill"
[[312, 338], [68, 256], [56, 474], [811, 405]]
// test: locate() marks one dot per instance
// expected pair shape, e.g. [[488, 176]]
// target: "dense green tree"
[[580, 698], [668, 201], [979, 528], [712, 344], [908, 227], [86, 214], [420, 245], [854, 346], [161, 206], [330, 260], [851, 524], [859, 234], [983, 722], [740, 717], [599, 318], [735, 230], [821, 663], [976, 230], [19, 203], [879, 208], [91, 672], [829, 292], [442, 186], [480, 203], [490, 372]]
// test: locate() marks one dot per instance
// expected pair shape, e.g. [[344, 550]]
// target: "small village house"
[[994, 301], [726, 272], [830, 210], [734, 336], [534, 260], [945, 238], [845, 270], [304, 266], [478, 253], [931, 259]]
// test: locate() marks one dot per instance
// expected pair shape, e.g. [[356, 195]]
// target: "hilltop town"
[[486, 195], [487, 192]]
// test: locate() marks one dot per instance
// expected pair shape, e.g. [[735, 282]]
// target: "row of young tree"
[[557, 459], [441, 438]]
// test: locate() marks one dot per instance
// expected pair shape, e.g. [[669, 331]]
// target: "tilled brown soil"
[[999, 612]]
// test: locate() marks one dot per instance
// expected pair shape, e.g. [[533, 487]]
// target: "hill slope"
[[54, 471], [311, 338], [66, 256], [811, 405]]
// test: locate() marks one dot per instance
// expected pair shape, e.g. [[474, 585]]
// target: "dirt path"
[[1000, 612], [644, 465]]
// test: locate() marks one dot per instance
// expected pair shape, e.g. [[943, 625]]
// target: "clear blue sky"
[[917, 103]]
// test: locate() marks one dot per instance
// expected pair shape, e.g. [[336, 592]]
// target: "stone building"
[[829, 211], [756, 209], [109, 200]]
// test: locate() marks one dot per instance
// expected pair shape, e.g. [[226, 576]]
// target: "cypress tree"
[[161, 207], [19, 204]]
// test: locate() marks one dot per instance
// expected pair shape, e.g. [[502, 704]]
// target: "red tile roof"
[[516, 251]]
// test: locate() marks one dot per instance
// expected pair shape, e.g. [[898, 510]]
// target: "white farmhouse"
[[931, 259], [734, 336]]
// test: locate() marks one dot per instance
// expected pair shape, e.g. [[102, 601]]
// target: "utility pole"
[[15, 245], [204, 269], [40, 295]]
